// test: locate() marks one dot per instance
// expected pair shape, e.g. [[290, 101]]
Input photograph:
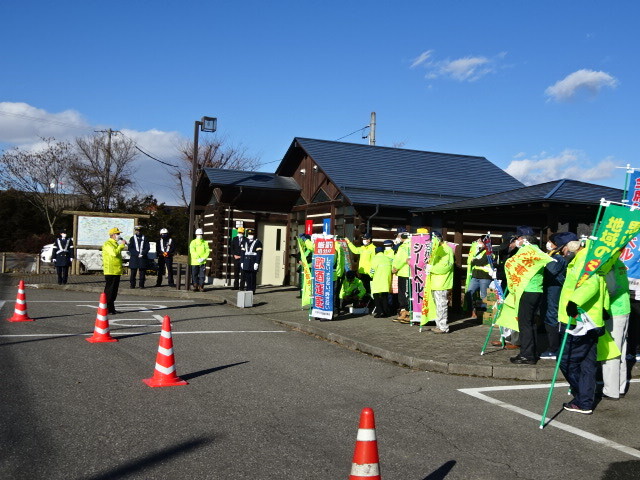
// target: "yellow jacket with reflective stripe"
[[112, 257]]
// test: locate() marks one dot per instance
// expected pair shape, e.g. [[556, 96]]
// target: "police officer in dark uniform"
[[138, 250], [236, 253], [165, 249], [251, 257], [62, 256]]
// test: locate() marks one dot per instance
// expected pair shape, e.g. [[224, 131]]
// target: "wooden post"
[[456, 299], [37, 264], [179, 283]]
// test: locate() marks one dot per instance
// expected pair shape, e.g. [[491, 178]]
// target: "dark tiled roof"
[[571, 191], [422, 176], [219, 177], [395, 198]]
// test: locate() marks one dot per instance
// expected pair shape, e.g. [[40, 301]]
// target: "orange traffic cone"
[[20, 311], [101, 331], [164, 374], [365, 457]]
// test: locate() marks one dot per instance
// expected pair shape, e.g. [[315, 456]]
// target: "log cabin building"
[[364, 188]]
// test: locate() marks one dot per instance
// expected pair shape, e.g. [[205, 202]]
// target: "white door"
[[274, 244]]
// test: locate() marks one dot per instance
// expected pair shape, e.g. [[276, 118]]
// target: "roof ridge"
[[391, 148]]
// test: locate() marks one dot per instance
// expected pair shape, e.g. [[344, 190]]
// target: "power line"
[[41, 119], [349, 134]]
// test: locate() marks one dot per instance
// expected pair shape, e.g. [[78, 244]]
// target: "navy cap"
[[366, 236], [379, 249], [560, 239], [524, 230], [388, 243], [401, 229], [436, 233]]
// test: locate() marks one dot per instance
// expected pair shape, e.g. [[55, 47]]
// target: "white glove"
[[54, 260], [71, 260], [140, 256], [255, 266], [492, 273], [200, 260]]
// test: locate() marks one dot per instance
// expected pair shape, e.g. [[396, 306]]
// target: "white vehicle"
[[91, 260]]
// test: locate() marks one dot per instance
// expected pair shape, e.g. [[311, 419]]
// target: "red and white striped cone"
[[20, 311], [164, 374], [101, 330], [366, 464]]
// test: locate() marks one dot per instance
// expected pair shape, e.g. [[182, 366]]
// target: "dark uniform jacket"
[[167, 245], [62, 252], [138, 244], [237, 244], [251, 254]]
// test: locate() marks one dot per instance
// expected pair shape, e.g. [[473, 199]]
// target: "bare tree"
[[103, 168], [211, 154], [40, 176]]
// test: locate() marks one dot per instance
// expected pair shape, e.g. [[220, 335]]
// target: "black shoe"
[[132, 286], [172, 285], [378, 315], [141, 286], [520, 360], [607, 397], [158, 284], [572, 407], [114, 312]]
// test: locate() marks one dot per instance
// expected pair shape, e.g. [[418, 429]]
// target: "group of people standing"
[[595, 313], [383, 275], [138, 248]]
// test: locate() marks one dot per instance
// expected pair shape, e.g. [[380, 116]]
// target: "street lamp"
[[206, 124]]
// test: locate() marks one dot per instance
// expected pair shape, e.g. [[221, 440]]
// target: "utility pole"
[[106, 189], [372, 129]]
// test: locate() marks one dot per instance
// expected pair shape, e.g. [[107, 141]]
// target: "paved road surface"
[[264, 403]]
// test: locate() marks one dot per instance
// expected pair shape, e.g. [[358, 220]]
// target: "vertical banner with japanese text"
[[323, 258], [630, 255], [420, 253], [618, 226]]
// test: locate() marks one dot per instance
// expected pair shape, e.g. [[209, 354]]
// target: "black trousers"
[[249, 280], [132, 278], [237, 273], [366, 282], [382, 303], [529, 302], [63, 274], [111, 284], [165, 262], [403, 293]]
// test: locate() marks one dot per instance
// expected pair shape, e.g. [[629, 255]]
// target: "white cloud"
[[423, 57], [571, 164], [23, 125], [581, 80], [465, 69]]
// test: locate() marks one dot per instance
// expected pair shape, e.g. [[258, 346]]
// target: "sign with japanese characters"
[[618, 226], [419, 255], [323, 258], [630, 255]]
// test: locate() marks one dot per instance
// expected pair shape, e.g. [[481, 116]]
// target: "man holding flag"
[[524, 277], [439, 282]]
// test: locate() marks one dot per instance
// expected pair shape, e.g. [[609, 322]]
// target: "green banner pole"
[[495, 319], [555, 375]]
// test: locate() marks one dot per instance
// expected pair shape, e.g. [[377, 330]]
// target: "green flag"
[[619, 224]]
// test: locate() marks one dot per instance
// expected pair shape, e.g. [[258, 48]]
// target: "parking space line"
[[140, 333], [476, 392]]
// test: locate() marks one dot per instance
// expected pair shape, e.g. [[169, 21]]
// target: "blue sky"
[[543, 89]]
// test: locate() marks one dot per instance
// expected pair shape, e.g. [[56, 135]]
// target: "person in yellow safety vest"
[[440, 271], [352, 291], [112, 267], [366, 252], [400, 267], [198, 253], [381, 282], [578, 362], [388, 249], [480, 277]]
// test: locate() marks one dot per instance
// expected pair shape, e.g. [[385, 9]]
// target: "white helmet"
[[164, 230], [198, 231]]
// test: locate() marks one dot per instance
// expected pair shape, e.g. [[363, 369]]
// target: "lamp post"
[[206, 124]]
